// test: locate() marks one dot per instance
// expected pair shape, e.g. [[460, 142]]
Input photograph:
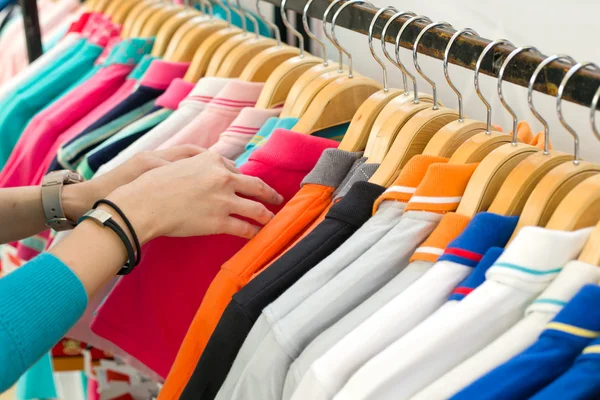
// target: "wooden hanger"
[[445, 142], [282, 79], [552, 191], [133, 16], [101, 5], [580, 208], [264, 63], [337, 102], [139, 20], [168, 28], [119, 10], [360, 128], [521, 182]]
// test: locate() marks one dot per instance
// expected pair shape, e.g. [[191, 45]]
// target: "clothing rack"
[[33, 35], [465, 51]]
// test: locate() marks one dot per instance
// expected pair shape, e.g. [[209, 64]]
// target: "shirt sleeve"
[[39, 302]]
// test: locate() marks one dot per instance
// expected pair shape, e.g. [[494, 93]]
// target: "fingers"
[[252, 210], [177, 153], [237, 227], [250, 186], [230, 165]]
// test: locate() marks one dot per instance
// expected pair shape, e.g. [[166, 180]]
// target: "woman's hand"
[[195, 196], [79, 199]]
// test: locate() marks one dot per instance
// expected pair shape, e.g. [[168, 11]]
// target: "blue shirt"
[[549, 357], [477, 276]]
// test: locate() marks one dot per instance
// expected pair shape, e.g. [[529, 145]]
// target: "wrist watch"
[[52, 185]]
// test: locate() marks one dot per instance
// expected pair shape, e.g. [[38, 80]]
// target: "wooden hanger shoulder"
[[90, 5], [282, 79], [477, 147], [336, 104], [158, 19], [310, 75], [445, 142], [360, 127], [580, 208], [102, 5], [168, 28], [591, 251], [204, 53], [308, 90], [184, 49], [224, 49], [521, 181], [145, 15], [389, 122], [490, 175], [240, 56], [119, 11], [551, 191], [264, 63], [134, 16]]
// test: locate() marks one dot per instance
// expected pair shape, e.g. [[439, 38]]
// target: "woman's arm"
[[40, 301]]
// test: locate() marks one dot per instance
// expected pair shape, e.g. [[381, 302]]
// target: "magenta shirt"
[[164, 292]]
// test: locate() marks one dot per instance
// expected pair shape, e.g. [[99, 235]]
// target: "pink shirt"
[[204, 130], [233, 141], [175, 93], [149, 311]]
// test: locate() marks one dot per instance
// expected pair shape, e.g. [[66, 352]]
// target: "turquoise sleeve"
[[39, 302]]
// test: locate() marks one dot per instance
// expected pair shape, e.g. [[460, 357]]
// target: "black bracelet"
[[105, 219], [112, 205]]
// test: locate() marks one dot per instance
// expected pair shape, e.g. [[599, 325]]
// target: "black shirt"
[[342, 220]]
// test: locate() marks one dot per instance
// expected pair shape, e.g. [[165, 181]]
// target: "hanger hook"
[[488, 107], [249, 16], [416, 62], [287, 24], [225, 6], [325, 16], [466, 31], [593, 113], [311, 34], [420, 18], [384, 46], [207, 5], [532, 81], [337, 43], [239, 14], [508, 108], [561, 91], [370, 39], [271, 25]]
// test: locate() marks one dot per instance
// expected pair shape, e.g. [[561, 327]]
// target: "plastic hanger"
[[477, 147], [190, 36], [396, 113], [360, 127], [205, 52], [445, 142], [310, 84], [521, 182], [495, 168], [264, 63], [239, 56], [581, 206], [591, 251], [337, 102], [168, 29], [557, 184], [417, 130], [282, 79]]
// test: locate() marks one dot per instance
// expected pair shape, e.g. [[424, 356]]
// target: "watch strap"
[[52, 199]]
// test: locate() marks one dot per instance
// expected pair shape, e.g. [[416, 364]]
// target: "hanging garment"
[[314, 195], [449, 228], [176, 297], [220, 112], [568, 282], [342, 220], [569, 333]]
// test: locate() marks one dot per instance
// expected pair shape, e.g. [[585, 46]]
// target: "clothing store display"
[[312, 198], [523, 334], [563, 340], [342, 220]]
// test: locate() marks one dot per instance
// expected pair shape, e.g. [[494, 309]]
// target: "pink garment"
[[161, 73], [233, 141], [175, 93], [43, 130], [204, 130], [164, 292]]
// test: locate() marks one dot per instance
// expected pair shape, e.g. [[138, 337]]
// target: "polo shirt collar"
[[450, 227], [161, 73]]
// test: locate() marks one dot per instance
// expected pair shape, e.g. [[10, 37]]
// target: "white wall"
[[550, 25]]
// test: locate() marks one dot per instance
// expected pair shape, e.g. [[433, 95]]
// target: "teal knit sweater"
[[39, 303]]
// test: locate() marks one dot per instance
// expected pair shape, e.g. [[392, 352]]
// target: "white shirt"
[[525, 269], [569, 281], [188, 109]]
